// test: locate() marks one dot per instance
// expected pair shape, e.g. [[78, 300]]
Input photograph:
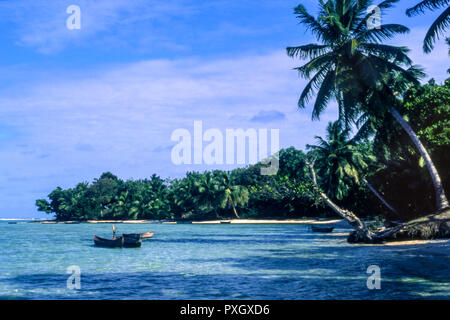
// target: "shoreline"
[[417, 243], [224, 221]]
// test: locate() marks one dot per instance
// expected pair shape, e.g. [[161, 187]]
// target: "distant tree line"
[[242, 192]]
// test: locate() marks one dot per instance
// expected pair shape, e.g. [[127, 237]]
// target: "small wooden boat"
[[132, 240], [143, 236], [109, 243], [322, 229], [225, 222]]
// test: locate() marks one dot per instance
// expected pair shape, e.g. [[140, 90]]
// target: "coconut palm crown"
[[349, 63]]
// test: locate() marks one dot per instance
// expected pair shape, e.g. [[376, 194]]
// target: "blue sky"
[[76, 103]]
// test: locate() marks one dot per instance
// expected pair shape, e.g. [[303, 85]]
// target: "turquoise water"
[[213, 262]]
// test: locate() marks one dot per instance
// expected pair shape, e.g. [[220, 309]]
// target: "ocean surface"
[[214, 262]]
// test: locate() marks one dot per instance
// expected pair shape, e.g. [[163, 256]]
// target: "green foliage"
[[367, 79], [292, 163], [428, 109], [243, 192], [404, 178], [340, 161], [109, 198]]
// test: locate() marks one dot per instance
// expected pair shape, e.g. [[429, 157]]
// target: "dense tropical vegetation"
[[352, 66], [387, 155], [243, 192]]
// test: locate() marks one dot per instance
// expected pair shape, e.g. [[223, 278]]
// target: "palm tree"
[[351, 66], [182, 195], [206, 188], [230, 195], [439, 26], [341, 162]]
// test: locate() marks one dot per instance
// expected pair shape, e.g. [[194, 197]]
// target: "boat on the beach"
[[109, 243], [225, 222], [325, 229]]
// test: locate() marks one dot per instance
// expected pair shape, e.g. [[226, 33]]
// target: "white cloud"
[[124, 113]]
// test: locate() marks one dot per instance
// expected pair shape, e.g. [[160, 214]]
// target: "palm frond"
[[362, 11], [387, 4], [311, 51], [426, 4], [315, 65], [365, 132], [437, 29], [311, 23], [400, 54], [385, 65], [385, 32], [309, 90], [417, 71], [347, 110], [400, 84], [326, 92]]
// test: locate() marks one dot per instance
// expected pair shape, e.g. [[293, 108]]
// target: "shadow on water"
[[414, 260], [253, 238]]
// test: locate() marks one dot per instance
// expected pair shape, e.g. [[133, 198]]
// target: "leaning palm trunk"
[[441, 199], [234, 210], [361, 233], [429, 227], [380, 197]]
